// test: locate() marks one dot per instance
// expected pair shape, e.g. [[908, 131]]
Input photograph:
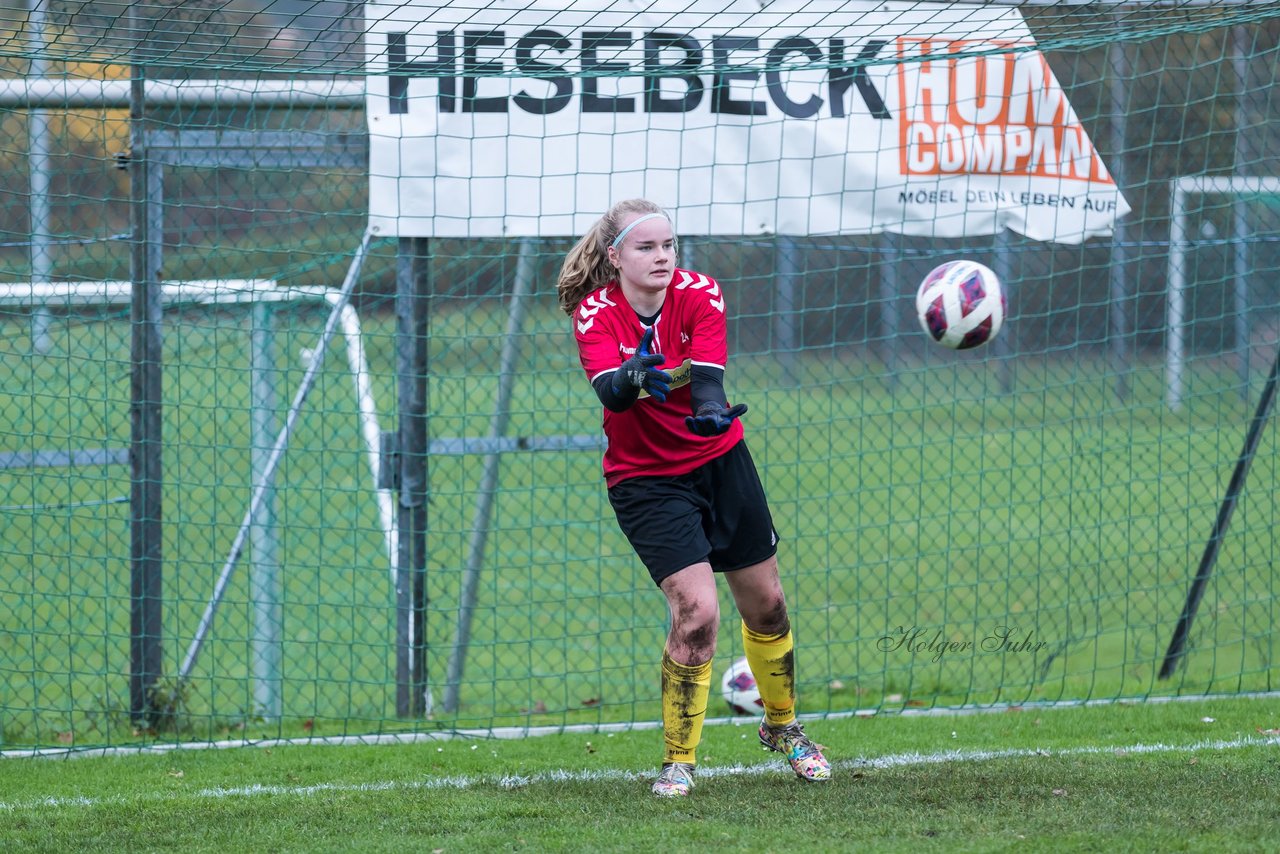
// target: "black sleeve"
[[706, 384], [614, 401]]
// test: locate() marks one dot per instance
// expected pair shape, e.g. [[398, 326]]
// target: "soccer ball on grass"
[[961, 304], [739, 689]]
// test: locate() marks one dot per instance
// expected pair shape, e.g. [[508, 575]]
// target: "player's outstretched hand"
[[641, 370], [712, 419]]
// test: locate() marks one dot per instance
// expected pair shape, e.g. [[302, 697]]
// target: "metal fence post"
[[1241, 303], [413, 290], [146, 440], [38, 168], [489, 477], [1002, 347], [787, 311], [889, 309], [1118, 309], [264, 580]]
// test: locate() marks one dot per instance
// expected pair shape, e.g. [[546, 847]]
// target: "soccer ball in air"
[[961, 304], [739, 689]]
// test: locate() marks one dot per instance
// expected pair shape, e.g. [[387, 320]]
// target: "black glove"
[[713, 418], [641, 371]]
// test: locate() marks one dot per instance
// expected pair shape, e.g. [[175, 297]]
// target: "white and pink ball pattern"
[[961, 304]]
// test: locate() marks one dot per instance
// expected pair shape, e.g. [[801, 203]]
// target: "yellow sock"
[[685, 688], [773, 664]]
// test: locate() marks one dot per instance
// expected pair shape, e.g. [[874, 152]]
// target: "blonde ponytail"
[[586, 266]]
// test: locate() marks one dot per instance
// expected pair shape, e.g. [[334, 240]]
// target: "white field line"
[[520, 781], [517, 732]]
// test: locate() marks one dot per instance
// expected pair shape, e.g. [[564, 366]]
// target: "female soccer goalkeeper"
[[652, 338]]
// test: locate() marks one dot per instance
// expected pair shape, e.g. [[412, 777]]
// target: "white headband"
[[617, 241]]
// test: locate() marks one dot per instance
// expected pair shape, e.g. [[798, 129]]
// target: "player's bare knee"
[[695, 633], [770, 619]]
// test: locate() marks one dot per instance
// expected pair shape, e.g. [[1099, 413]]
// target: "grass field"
[[1177, 776], [947, 503]]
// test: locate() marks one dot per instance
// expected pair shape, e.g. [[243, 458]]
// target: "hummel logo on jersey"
[[591, 307], [697, 282]]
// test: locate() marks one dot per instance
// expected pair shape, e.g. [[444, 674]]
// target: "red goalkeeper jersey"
[[650, 438]]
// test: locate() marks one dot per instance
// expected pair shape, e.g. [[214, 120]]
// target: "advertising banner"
[[531, 118]]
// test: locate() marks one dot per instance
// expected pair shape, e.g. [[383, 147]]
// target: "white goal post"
[[1179, 243], [40, 297]]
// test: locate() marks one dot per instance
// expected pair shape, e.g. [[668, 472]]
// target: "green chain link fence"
[[1017, 526]]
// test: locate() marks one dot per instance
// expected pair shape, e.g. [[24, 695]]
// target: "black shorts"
[[715, 513]]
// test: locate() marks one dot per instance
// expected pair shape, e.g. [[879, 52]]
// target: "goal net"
[[1016, 524]]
